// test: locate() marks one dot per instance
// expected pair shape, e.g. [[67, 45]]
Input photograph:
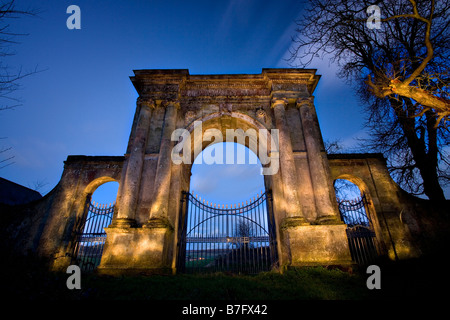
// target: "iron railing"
[[360, 232], [238, 238], [90, 235]]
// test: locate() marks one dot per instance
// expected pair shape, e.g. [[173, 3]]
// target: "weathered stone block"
[[135, 249], [318, 245]]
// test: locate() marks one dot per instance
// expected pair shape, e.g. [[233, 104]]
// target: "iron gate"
[[360, 233], [238, 239], [90, 235]]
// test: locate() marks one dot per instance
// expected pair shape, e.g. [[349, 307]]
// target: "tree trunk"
[[426, 162]]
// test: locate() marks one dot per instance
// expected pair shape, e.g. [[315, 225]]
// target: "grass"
[[310, 283], [296, 284], [422, 279]]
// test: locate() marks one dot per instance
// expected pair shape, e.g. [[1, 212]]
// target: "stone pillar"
[[326, 212], [132, 177], [160, 204], [287, 164]]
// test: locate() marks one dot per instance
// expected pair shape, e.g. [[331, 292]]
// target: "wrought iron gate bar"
[[227, 239], [220, 238], [90, 235], [360, 233]]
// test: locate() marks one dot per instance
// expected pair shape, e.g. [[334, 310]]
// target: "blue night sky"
[[83, 103]]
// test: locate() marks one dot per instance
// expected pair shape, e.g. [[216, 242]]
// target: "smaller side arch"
[[82, 175], [370, 173], [369, 207], [89, 235], [96, 183]]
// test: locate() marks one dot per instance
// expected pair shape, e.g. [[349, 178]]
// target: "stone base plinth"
[[130, 250], [318, 245]]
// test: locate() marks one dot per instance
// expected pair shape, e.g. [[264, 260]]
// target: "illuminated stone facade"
[[145, 228]]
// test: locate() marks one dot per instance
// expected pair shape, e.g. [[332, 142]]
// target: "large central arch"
[[237, 128]]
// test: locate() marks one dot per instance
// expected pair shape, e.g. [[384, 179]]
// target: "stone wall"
[[405, 226]]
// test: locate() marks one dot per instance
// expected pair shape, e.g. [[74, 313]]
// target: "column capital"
[[305, 101], [166, 103], [145, 102], [279, 101]]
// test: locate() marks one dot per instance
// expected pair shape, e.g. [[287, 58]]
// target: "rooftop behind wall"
[[12, 193]]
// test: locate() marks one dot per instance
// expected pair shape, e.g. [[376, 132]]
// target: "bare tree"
[[401, 73], [244, 229], [10, 77], [333, 146]]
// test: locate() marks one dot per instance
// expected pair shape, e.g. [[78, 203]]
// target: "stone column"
[[160, 204], [132, 177], [288, 171], [326, 212]]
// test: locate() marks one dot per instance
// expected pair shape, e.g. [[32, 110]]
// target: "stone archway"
[[66, 203], [308, 227], [144, 232], [388, 204], [242, 129]]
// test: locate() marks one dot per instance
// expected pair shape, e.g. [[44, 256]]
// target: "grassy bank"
[[311, 283], [27, 279]]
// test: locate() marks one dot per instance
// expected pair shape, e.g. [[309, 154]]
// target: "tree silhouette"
[[10, 77], [401, 73]]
